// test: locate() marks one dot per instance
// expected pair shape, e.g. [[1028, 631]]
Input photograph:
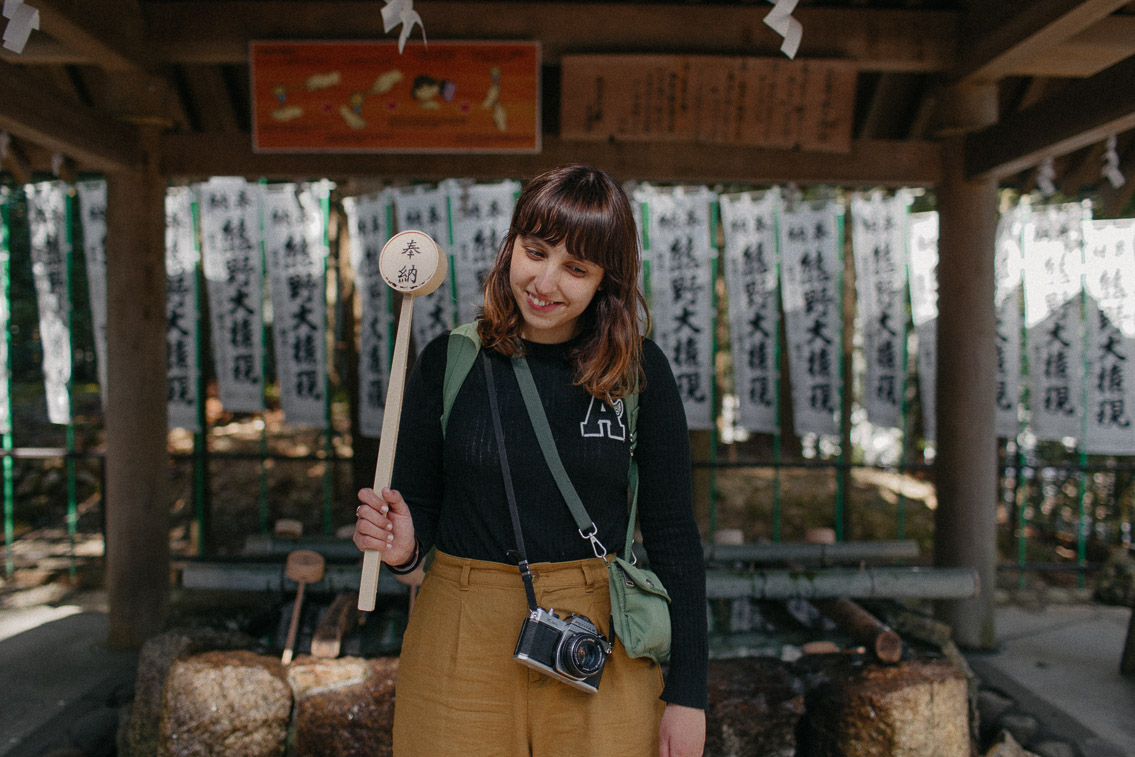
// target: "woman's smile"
[[552, 288]]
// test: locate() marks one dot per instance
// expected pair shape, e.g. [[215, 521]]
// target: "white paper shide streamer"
[[878, 239], [230, 248], [1109, 337], [22, 18], [481, 215], [923, 252], [426, 209], [369, 231], [92, 216], [809, 279], [780, 20], [296, 254], [50, 253], [752, 268], [1008, 275], [402, 12], [1054, 319], [681, 287], [183, 369]]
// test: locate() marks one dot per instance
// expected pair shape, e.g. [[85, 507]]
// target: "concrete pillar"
[[137, 504], [965, 522]]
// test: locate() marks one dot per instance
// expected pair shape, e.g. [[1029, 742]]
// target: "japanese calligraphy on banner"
[[878, 241], [230, 248], [923, 252], [295, 249], [92, 217], [427, 209], [1007, 266], [810, 288], [1109, 336], [752, 261], [50, 254], [769, 102], [5, 318], [183, 369], [681, 291], [369, 218], [1053, 243], [481, 214]]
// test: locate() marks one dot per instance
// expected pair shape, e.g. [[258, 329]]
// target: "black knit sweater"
[[455, 490]]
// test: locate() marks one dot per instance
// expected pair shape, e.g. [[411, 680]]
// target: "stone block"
[[754, 707], [344, 707], [915, 709], [225, 703], [138, 733]]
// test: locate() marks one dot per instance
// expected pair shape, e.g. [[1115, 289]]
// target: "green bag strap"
[[462, 349], [539, 418]]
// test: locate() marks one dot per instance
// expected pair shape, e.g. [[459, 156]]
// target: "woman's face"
[[552, 288]]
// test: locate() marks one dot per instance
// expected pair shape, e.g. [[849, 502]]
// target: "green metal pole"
[[714, 209], [69, 461], [840, 470], [325, 206], [263, 468], [6, 438], [777, 438], [202, 506]]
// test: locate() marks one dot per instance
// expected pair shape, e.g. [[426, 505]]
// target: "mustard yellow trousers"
[[460, 692]]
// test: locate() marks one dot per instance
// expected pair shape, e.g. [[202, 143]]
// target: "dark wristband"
[[409, 565]]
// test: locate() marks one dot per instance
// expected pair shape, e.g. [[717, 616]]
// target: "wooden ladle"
[[302, 566], [413, 264]]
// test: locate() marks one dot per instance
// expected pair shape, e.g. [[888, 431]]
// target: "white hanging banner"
[[230, 248], [1109, 336], [810, 276], [296, 251], [5, 318], [878, 242], [1053, 251], [92, 217], [1008, 272], [681, 291], [752, 268], [923, 253], [427, 209], [370, 229], [481, 214], [50, 254], [183, 369]]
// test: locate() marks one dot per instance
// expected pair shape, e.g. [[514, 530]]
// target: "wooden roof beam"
[[871, 162], [35, 113], [879, 40], [110, 33], [1023, 35], [1085, 111]]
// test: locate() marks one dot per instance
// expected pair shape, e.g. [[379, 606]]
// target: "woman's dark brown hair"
[[587, 210]]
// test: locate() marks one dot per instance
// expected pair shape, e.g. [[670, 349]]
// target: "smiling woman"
[[562, 309]]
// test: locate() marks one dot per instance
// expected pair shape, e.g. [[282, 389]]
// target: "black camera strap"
[[518, 554]]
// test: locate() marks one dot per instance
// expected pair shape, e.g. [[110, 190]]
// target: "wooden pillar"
[[137, 504], [965, 521]]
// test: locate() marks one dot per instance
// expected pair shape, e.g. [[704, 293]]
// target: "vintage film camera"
[[571, 650]]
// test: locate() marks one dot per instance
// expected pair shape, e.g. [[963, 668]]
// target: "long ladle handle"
[[391, 414]]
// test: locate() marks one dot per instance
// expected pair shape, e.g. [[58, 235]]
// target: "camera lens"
[[581, 656]]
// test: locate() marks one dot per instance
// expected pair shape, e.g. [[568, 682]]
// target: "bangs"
[[581, 217]]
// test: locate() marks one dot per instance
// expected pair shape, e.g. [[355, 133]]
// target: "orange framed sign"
[[367, 97]]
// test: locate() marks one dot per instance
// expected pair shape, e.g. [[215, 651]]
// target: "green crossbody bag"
[[640, 605]]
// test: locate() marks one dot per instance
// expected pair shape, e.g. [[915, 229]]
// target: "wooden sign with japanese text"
[[359, 96], [763, 102]]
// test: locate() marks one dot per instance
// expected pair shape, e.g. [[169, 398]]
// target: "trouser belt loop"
[[464, 582]]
